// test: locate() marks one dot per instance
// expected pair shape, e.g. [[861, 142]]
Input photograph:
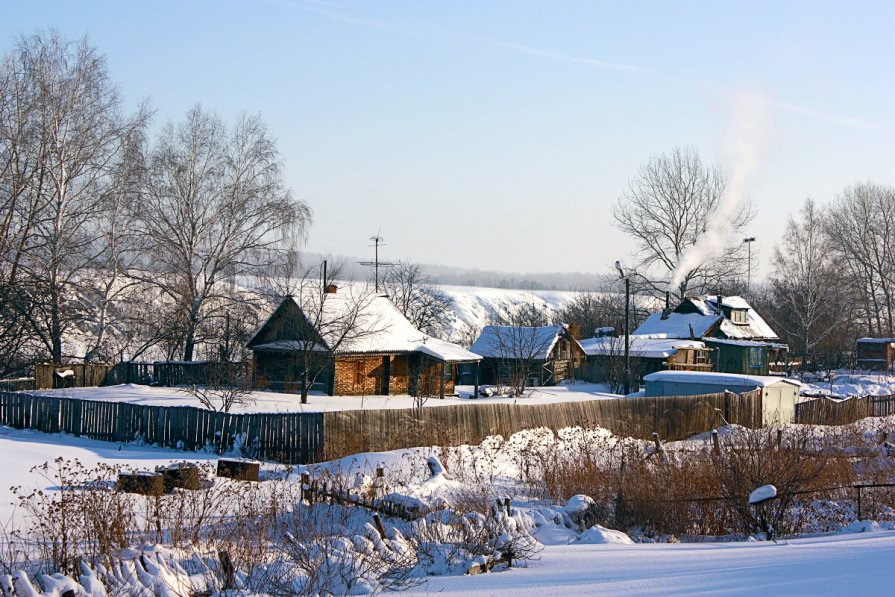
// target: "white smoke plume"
[[742, 156]]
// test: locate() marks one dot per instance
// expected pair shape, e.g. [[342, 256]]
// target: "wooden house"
[[357, 344], [742, 340], [605, 354], [545, 355], [875, 354]]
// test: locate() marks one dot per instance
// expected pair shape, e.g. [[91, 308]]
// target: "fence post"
[[858, 487]]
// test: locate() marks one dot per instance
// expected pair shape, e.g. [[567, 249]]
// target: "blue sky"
[[498, 135]]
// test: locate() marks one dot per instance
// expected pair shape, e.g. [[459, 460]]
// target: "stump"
[[184, 476], [143, 483], [241, 470]]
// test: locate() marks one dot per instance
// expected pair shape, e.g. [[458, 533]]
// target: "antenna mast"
[[376, 264]]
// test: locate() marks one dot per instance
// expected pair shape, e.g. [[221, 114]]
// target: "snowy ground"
[[24, 449], [840, 564], [598, 562], [273, 402], [843, 384]]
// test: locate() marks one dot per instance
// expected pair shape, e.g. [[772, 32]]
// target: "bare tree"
[[328, 323], [861, 230], [418, 299], [213, 208], [809, 302], [518, 336], [63, 139], [666, 208]]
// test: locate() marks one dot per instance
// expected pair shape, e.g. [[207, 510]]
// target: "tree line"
[[833, 271], [117, 238]]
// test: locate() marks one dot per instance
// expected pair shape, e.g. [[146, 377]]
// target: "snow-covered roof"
[[730, 342], [754, 328], [508, 342], [640, 346], [677, 325], [876, 340], [759, 381], [683, 324], [377, 328]]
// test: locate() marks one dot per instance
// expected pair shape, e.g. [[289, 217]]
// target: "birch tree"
[[63, 134], [213, 208], [861, 228], [809, 304]]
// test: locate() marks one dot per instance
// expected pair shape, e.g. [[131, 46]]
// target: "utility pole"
[[627, 279], [749, 240]]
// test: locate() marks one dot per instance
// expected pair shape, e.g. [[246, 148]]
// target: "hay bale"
[[241, 470], [142, 482], [181, 475]]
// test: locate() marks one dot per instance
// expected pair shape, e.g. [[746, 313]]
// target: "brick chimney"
[[575, 330], [331, 289]]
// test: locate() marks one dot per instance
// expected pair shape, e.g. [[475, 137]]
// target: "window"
[[755, 360], [738, 316]]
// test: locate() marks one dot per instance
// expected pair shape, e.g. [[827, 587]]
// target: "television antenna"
[[378, 241]]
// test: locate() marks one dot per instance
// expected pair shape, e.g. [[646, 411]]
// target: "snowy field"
[[848, 563], [274, 402], [856, 560], [845, 383]]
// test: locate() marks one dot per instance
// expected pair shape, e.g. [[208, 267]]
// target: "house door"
[[386, 375]]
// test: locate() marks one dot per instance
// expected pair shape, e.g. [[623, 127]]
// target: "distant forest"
[[460, 276]]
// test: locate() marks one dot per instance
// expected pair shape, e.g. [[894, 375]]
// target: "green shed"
[[747, 357]]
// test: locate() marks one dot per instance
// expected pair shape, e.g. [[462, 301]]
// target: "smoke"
[[742, 156]]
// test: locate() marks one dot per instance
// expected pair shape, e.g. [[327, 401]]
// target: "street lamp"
[[749, 240], [621, 273]]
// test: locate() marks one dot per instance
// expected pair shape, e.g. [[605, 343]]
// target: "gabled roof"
[[379, 328], [695, 317], [639, 347], [518, 342]]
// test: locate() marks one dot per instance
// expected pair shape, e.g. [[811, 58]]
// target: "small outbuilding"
[[543, 356], [778, 395], [875, 354]]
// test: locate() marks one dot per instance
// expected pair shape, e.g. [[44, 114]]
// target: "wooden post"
[[379, 526], [716, 441], [779, 438], [227, 569], [476, 376], [306, 493], [859, 501], [441, 389]]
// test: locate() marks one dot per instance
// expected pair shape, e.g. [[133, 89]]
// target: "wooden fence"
[[56, 375], [293, 438], [824, 411], [673, 418]]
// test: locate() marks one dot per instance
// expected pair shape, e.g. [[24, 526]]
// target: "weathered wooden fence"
[[55, 375], [825, 411], [673, 418], [293, 438]]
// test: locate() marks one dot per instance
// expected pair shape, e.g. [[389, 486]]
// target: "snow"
[[385, 329], [677, 325], [876, 340], [25, 449], [762, 494], [844, 384], [275, 402], [640, 346], [844, 564], [501, 342], [697, 325], [600, 535], [759, 381]]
